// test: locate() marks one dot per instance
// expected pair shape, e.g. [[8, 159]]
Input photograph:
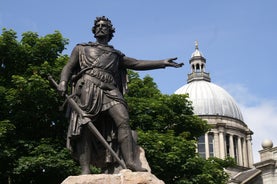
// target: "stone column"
[[221, 143], [216, 144], [244, 150], [240, 152], [249, 148], [207, 151], [231, 142]]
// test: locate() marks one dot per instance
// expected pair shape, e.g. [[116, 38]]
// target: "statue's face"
[[102, 28]]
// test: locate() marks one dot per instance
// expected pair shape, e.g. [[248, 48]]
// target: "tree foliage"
[[168, 131], [47, 162], [29, 110], [33, 131]]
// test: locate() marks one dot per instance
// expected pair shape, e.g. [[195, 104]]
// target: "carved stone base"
[[123, 177]]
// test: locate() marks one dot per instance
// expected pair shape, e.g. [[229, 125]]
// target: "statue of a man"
[[97, 73]]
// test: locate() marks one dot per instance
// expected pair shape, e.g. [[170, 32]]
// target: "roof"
[[210, 99], [246, 176]]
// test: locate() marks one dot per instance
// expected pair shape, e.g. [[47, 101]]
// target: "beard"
[[102, 33]]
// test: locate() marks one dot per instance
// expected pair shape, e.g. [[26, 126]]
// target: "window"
[[228, 145], [236, 149], [211, 144], [198, 68], [201, 146]]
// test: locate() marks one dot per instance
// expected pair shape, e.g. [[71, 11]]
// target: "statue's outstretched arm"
[[135, 64]]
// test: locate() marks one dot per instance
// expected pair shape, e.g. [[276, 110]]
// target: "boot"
[[126, 142]]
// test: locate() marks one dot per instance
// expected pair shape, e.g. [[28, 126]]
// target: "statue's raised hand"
[[170, 62]]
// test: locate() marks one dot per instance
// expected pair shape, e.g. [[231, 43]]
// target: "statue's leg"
[[84, 150], [120, 116]]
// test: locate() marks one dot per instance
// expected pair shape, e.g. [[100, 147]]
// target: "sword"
[[90, 125]]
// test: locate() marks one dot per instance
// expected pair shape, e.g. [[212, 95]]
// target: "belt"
[[99, 83]]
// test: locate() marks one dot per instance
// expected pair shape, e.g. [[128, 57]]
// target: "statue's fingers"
[[172, 59]]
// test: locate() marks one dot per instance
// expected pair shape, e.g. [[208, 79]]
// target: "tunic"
[[98, 83]]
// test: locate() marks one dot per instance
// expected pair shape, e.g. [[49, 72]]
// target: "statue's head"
[[103, 27]]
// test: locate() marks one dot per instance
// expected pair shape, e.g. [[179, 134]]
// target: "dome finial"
[[197, 63], [196, 45]]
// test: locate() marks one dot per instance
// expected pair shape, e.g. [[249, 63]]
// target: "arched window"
[[202, 67], [193, 67], [197, 67]]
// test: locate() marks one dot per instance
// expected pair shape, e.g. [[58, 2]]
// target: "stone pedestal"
[[123, 177]]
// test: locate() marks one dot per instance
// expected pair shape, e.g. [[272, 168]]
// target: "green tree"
[[48, 162], [168, 131], [7, 153], [29, 110], [33, 131]]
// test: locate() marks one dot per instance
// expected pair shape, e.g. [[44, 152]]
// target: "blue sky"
[[238, 39]]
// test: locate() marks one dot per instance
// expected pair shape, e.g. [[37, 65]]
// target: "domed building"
[[229, 135]]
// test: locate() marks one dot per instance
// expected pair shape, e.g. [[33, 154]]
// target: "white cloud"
[[262, 120], [259, 114]]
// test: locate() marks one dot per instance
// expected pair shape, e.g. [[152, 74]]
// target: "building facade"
[[229, 135]]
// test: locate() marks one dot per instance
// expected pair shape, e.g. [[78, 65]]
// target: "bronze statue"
[[97, 74]]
